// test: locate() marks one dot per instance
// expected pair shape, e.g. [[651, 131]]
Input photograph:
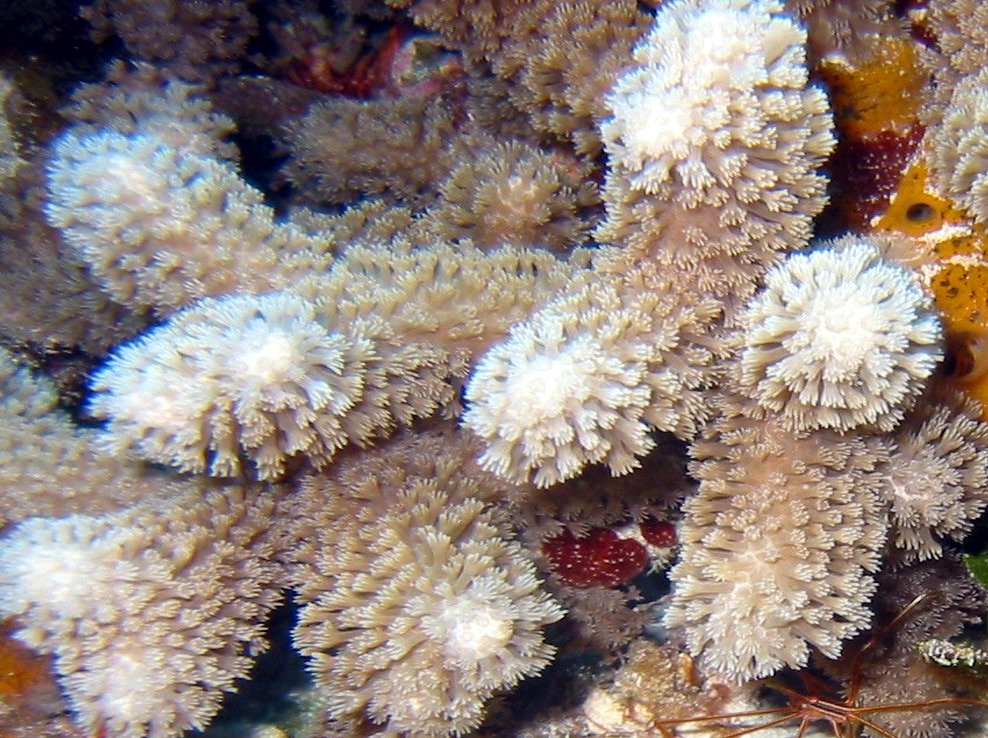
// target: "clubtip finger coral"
[[380, 340], [779, 547], [958, 149], [557, 274], [10, 159], [417, 604], [677, 113], [152, 613], [566, 389], [935, 479], [839, 338], [514, 193], [163, 223], [50, 466], [260, 378], [713, 145]]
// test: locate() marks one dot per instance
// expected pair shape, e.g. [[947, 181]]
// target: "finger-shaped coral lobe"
[[935, 477], [163, 224], [840, 338], [417, 605], [753, 593], [179, 588], [260, 378], [714, 141], [486, 335], [566, 390]]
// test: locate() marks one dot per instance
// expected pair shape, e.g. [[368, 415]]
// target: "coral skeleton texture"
[[461, 343]]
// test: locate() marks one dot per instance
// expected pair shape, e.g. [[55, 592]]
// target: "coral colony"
[[483, 339]]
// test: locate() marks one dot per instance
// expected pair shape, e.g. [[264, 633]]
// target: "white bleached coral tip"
[[560, 393], [707, 80], [840, 338], [244, 376]]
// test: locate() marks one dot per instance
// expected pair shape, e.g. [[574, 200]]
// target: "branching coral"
[[49, 466], [596, 499], [151, 613], [959, 27], [141, 99], [346, 148], [956, 113], [935, 479], [200, 228], [561, 59], [568, 388], [195, 40], [713, 143], [780, 545], [47, 296], [10, 150], [894, 672], [958, 148], [472, 23], [417, 605], [377, 344], [320, 348], [558, 60], [684, 149], [839, 338]]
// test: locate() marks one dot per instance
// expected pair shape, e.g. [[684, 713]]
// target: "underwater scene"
[[493, 368]]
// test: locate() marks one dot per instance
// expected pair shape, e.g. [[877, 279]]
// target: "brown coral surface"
[[499, 362]]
